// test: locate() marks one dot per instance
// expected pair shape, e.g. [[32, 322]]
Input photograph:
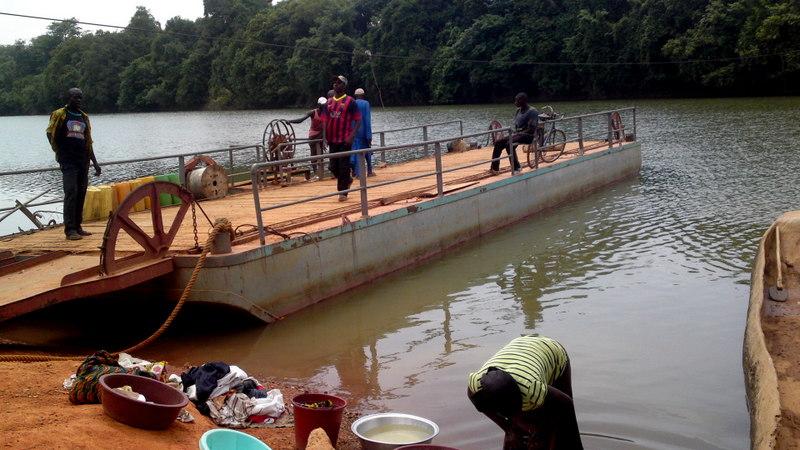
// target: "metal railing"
[[595, 127], [287, 150], [180, 162], [581, 132], [425, 132], [599, 127], [257, 171]]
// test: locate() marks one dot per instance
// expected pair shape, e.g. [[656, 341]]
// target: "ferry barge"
[[295, 244]]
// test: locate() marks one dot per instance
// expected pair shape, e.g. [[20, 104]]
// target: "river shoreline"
[[37, 413]]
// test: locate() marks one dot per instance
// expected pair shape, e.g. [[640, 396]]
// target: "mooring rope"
[[219, 226]]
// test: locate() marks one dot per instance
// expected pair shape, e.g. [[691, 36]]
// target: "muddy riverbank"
[[37, 413]]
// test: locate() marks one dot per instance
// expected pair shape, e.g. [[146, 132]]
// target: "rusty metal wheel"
[[616, 125], [497, 135], [277, 132], [154, 246]]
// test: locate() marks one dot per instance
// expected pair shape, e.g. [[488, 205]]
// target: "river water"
[[645, 282]]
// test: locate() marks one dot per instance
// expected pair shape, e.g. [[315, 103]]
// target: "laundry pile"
[[84, 386], [230, 397], [225, 393]]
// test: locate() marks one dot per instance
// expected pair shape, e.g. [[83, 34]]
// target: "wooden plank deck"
[[307, 217]]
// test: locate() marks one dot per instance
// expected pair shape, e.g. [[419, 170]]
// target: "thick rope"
[[219, 225]]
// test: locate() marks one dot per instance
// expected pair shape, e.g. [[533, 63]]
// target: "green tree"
[[151, 82], [772, 29], [410, 31], [712, 45]]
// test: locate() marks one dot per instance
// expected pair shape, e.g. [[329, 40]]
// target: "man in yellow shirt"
[[524, 385]]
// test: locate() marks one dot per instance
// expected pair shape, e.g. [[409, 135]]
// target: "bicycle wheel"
[[532, 149], [553, 146], [530, 153]]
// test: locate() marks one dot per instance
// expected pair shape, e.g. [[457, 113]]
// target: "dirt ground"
[[783, 343], [36, 413]]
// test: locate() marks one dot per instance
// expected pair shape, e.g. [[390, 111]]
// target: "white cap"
[[322, 101], [359, 91]]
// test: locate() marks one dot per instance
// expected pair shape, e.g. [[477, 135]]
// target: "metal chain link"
[[194, 225]]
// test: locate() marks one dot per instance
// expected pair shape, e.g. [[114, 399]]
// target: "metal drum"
[[208, 182]]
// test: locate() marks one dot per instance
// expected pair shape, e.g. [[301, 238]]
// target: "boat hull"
[[771, 349]]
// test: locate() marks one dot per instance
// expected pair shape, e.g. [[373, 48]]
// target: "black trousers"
[[502, 143], [340, 167], [75, 180]]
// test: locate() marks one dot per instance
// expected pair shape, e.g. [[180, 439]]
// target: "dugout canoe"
[[771, 357]]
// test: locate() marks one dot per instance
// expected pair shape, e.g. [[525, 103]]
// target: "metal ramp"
[[54, 277], [46, 280]]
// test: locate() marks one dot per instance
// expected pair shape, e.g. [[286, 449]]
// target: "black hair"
[[499, 393]]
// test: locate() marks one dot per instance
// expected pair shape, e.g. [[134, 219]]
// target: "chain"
[[194, 225]]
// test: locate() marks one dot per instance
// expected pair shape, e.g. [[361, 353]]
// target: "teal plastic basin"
[[225, 439]]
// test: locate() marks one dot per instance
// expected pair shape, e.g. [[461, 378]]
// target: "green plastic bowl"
[[225, 439]]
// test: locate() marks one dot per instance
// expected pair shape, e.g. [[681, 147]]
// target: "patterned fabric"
[[86, 388], [338, 116], [534, 363]]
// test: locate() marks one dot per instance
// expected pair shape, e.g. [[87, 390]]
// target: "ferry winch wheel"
[[154, 245], [616, 125], [277, 132], [497, 135]]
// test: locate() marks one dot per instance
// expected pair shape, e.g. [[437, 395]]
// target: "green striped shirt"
[[534, 363]]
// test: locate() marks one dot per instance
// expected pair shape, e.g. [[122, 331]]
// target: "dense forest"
[[249, 54]]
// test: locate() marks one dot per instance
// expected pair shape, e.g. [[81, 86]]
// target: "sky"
[[111, 12]]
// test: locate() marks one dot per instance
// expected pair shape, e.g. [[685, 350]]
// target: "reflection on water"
[[645, 283]]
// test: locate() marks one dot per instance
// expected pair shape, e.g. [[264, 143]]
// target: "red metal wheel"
[[497, 135], [616, 125], [277, 132], [155, 246]]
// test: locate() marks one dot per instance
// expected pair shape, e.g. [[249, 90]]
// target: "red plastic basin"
[[161, 413]]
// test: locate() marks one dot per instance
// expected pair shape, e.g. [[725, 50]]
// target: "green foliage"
[[256, 54]]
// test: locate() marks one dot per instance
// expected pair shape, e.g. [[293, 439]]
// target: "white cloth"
[[224, 384], [234, 409], [129, 362], [271, 405]]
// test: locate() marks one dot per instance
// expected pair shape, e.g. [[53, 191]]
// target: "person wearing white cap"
[[316, 134], [363, 137]]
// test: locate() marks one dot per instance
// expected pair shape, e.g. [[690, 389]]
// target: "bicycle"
[[548, 142]]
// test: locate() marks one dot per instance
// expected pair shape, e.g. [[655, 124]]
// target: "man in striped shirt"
[[522, 387], [342, 121]]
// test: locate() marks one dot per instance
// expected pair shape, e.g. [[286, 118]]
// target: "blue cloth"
[[365, 130], [363, 136]]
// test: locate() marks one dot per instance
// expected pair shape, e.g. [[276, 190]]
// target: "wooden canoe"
[[772, 338]]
